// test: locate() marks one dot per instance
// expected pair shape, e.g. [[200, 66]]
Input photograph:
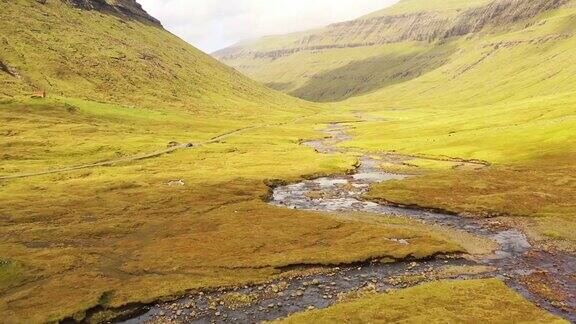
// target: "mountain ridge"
[[417, 30], [124, 8]]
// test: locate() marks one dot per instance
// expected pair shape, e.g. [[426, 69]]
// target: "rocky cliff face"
[[129, 9], [416, 26], [390, 46], [499, 13]]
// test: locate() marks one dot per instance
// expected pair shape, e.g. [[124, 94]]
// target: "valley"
[[495, 251], [415, 164]]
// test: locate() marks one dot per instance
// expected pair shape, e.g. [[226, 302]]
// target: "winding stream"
[[511, 262]]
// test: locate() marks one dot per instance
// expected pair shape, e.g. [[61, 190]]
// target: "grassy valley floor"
[[146, 229]]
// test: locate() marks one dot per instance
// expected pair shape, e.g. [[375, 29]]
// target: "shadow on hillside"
[[280, 86], [361, 77]]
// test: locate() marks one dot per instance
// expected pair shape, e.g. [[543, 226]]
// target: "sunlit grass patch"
[[432, 165], [47, 135], [520, 191], [445, 301]]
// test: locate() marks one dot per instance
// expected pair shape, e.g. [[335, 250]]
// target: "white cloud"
[[214, 24]]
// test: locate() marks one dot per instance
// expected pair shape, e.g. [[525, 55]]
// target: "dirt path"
[[147, 155], [137, 157], [514, 261]]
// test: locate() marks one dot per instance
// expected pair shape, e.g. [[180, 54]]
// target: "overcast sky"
[[214, 24]]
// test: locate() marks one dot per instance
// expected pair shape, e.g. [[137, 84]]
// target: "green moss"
[[239, 300], [12, 274]]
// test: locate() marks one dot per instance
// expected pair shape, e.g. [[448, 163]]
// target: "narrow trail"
[[148, 155], [137, 157], [511, 262]]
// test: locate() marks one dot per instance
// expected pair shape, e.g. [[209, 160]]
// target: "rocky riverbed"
[[515, 261]]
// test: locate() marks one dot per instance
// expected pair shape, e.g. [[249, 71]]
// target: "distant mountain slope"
[[387, 47], [114, 51]]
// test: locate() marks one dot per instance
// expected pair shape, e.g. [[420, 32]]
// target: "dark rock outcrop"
[[4, 68], [127, 9], [499, 13]]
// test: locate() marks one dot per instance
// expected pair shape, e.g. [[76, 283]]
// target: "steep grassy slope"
[[138, 229], [363, 55], [93, 50], [95, 54]]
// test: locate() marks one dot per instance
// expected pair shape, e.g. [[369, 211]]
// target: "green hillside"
[[94, 54], [395, 45], [109, 72]]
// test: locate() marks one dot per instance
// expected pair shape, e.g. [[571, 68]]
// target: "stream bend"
[[514, 258]]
